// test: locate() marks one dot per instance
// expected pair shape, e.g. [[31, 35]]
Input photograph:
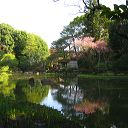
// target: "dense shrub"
[[118, 41], [121, 65], [9, 60], [118, 38]]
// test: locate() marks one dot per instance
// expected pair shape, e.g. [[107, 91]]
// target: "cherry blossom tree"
[[90, 43], [96, 49]]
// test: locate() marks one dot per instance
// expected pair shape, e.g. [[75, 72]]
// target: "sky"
[[42, 17]]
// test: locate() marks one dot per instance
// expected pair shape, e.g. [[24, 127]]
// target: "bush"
[[118, 39], [9, 60], [121, 65]]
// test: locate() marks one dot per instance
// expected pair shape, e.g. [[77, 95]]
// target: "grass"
[[103, 76], [29, 75], [107, 75]]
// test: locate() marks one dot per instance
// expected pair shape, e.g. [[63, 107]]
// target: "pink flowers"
[[88, 43], [101, 46]]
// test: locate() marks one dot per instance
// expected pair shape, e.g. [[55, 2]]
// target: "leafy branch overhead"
[[119, 13]]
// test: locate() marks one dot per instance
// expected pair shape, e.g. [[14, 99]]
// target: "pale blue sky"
[[42, 17]]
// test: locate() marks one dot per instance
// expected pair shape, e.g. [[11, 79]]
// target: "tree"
[[9, 60], [119, 13], [57, 51], [89, 5], [20, 38], [6, 37], [80, 26], [29, 49], [34, 53], [100, 25], [93, 52], [118, 38], [75, 29]]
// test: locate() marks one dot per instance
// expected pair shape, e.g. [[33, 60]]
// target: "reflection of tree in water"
[[6, 87], [111, 93], [89, 107], [33, 94], [97, 101], [110, 90], [68, 94]]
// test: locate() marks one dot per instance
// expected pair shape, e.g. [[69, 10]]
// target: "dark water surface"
[[96, 103]]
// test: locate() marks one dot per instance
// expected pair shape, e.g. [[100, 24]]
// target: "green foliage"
[[36, 93], [34, 53], [118, 39], [75, 28], [36, 49], [5, 88], [4, 69], [33, 93], [19, 114], [100, 25], [119, 13], [6, 37], [9, 60], [87, 62], [60, 44], [4, 76], [20, 38], [95, 26], [17, 108], [30, 50], [121, 65], [91, 25], [24, 63]]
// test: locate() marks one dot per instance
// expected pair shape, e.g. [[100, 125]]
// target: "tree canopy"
[[29, 49]]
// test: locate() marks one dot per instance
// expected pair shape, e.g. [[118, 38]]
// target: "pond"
[[94, 103], [97, 103]]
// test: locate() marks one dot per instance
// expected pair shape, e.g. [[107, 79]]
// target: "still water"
[[96, 103], [99, 103]]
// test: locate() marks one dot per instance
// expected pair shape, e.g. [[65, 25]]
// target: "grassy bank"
[[17, 75], [103, 76], [86, 76]]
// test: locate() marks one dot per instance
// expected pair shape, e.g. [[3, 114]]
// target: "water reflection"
[[6, 87], [34, 93], [51, 102], [89, 107], [95, 103]]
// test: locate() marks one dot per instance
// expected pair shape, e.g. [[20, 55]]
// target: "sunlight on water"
[[51, 102]]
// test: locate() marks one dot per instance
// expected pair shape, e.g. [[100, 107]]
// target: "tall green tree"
[[34, 53], [6, 37], [20, 38], [118, 38], [29, 49]]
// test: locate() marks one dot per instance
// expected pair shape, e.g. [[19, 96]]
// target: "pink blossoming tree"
[[93, 51], [89, 43]]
